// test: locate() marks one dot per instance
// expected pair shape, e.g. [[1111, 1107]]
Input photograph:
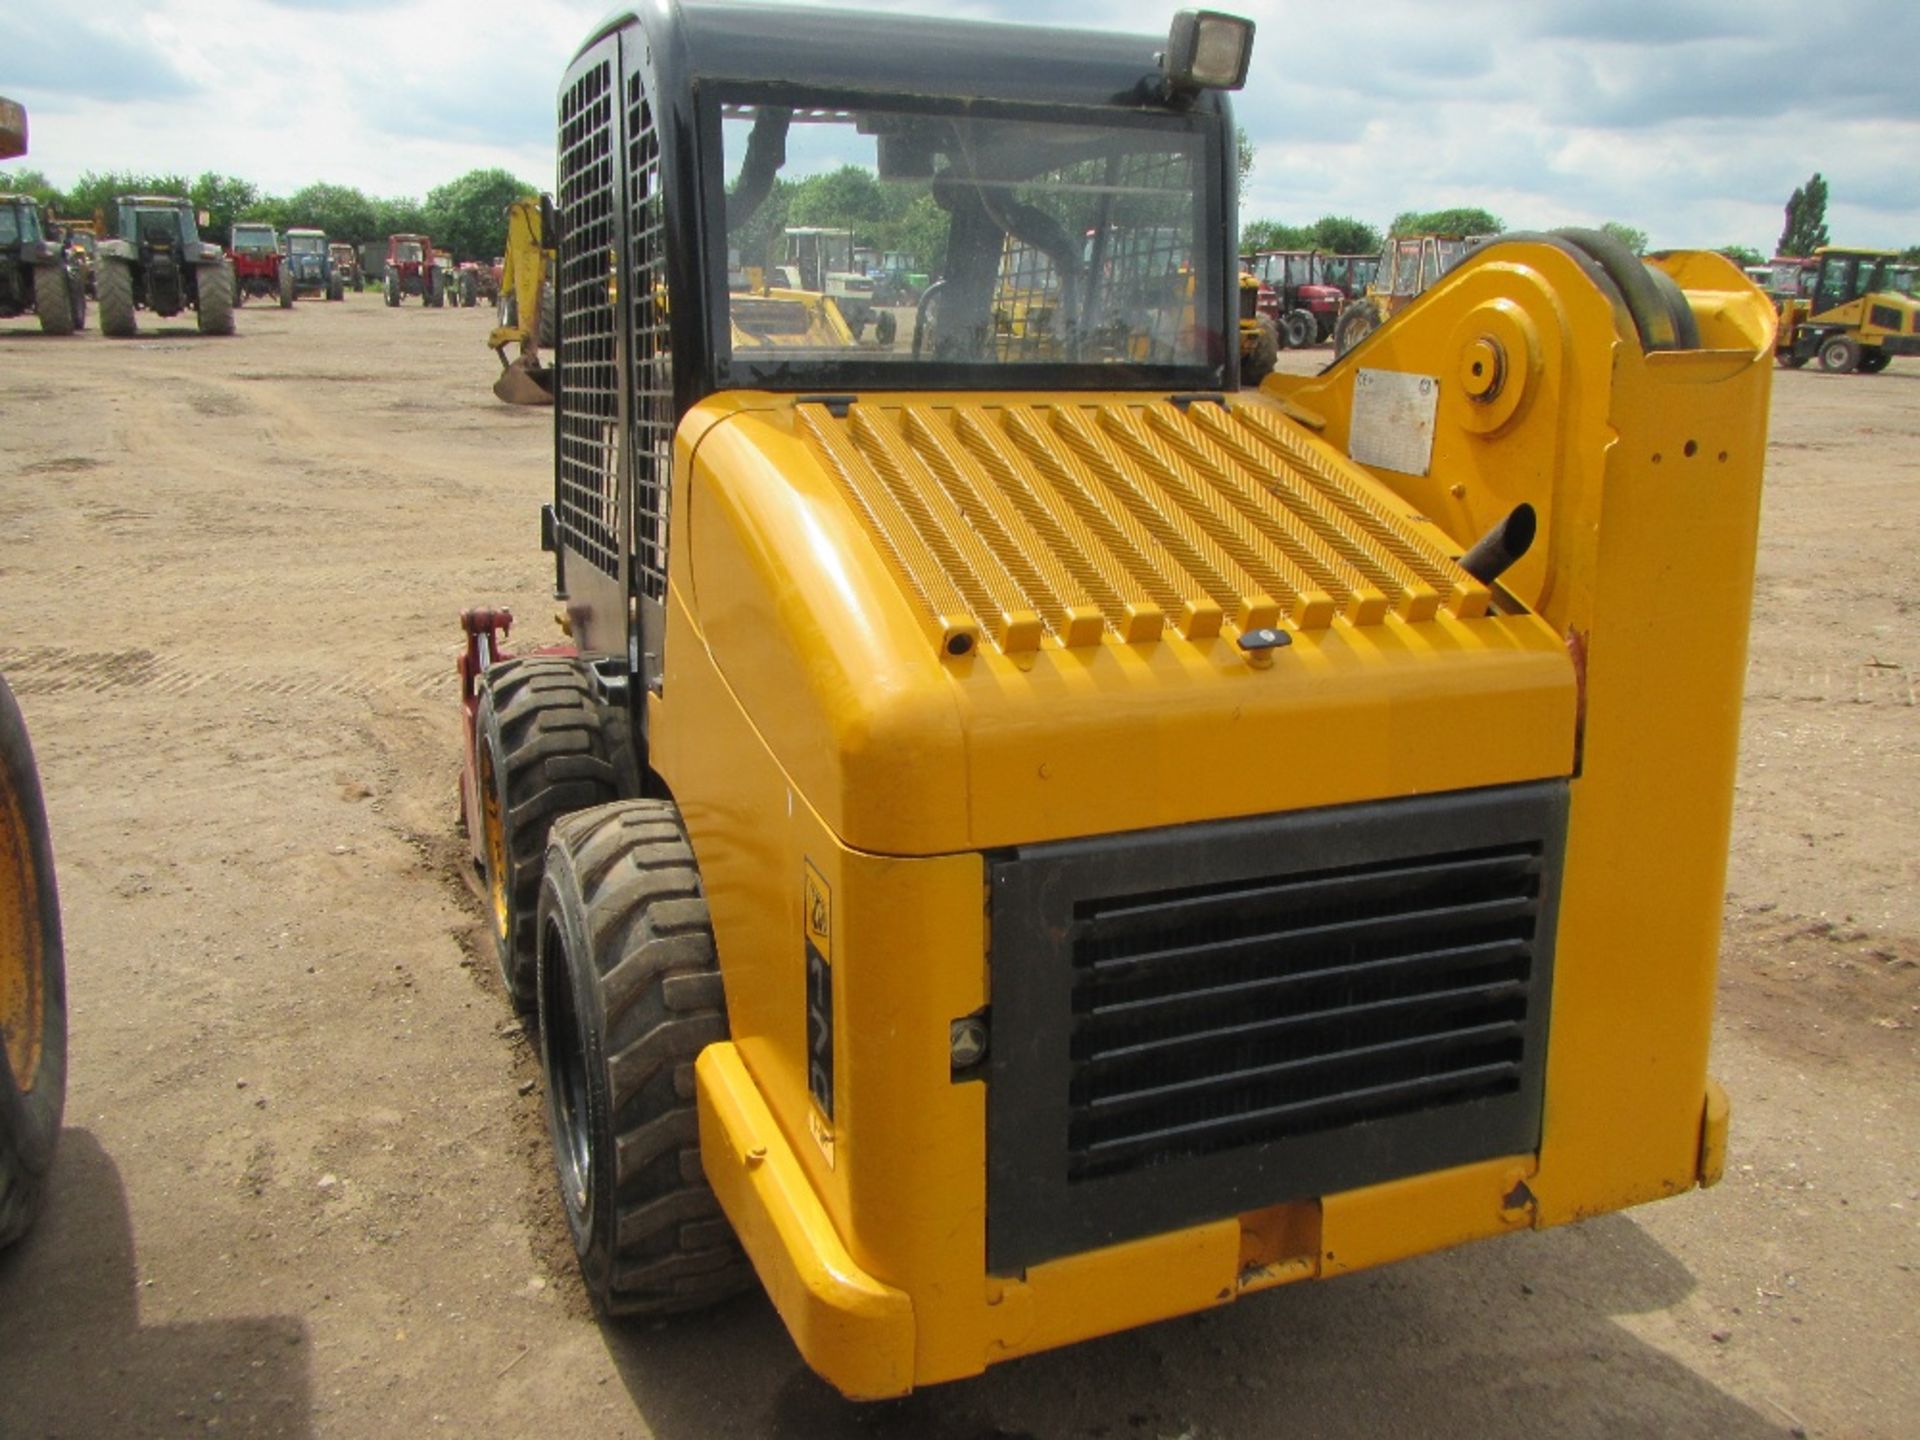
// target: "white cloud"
[[1689, 119]]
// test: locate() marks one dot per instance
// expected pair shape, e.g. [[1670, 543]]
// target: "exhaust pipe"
[[1495, 552]]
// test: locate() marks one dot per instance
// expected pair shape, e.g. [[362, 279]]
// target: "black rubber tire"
[[1872, 362], [77, 288], [435, 291], [214, 307], [286, 287], [1256, 364], [1299, 329], [886, 329], [549, 748], [630, 994], [1661, 314], [1839, 355], [1792, 359], [30, 1107], [390, 292], [114, 282], [469, 291], [1356, 323], [53, 299], [336, 289]]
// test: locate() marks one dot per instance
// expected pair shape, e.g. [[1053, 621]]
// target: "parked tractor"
[[1307, 304], [1849, 312], [1408, 265], [1020, 842], [346, 265], [39, 274], [413, 269], [1259, 330], [1350, 274], [153, 257], [259, 268], [83, 243], [309, 260], [469, 283]]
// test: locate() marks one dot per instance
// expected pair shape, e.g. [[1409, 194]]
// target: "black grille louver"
[[1197, 1023], [1884, 316], [1218, 1017]]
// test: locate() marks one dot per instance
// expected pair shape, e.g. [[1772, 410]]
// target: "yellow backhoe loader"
[[1020, 843], [525, 288]]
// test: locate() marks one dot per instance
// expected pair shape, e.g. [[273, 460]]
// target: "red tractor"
[[259, 269], [414, 269], [1306, 305]]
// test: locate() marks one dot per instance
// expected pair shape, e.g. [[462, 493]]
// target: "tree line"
[[466, 215]]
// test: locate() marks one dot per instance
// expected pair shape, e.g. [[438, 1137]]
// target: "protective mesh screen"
[[652, 346], [589, 409]]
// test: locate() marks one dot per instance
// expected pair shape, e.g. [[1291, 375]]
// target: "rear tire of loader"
[[630, 994], [33, 995], [113, 284], [53, 299], [546, 748], [215, 305], [1872, 362]]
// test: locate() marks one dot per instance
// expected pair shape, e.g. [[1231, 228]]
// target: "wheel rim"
[[495, 830], [565, 1050], [23, 1000]]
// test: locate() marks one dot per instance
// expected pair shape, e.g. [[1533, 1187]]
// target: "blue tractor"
[[312, 266]]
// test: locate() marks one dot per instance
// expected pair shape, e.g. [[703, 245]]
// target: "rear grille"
[[1223, 1016], [1195, 1023]]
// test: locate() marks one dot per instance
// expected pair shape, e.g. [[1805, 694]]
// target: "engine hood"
[[966, 622]]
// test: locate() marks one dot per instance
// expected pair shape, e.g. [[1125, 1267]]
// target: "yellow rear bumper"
[[853, 1330]]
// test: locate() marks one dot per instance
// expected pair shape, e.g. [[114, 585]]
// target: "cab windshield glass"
[[307, 244], [252, 237], [1070, 244]]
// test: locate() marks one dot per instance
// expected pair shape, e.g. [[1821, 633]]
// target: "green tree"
[[921, 231], [1459, 221], [399, 216], [1257, 235], [1344, 235], [36, 184], [343, 212], [94, 191], [1245, 154], [468, 216], [849, 198], [1806, 227], [1634, 240], [1910, 255], [224, 198], [1743, 255]]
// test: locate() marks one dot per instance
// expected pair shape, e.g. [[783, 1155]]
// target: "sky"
[[1689, 119]]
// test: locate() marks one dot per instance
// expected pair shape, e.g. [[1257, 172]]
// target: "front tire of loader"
[[53, 299], [1258, 364], [215, 305], [114, 286], [1840, 355], [1356, 323], [546, 748], [33, 995], [630, 994]]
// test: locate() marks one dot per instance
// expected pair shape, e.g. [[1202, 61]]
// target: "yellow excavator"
[[523, 300]]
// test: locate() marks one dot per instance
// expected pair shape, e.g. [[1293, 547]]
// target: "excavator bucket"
[[525, 382]]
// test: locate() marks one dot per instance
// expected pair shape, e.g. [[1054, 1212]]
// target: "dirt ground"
[[305, 1189]]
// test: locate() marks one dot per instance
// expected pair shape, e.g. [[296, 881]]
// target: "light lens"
[[1220, 51]]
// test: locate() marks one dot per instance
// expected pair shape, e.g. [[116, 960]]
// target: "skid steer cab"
[[1025, 838]]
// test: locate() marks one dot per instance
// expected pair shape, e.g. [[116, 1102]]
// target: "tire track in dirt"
[[53, 669]]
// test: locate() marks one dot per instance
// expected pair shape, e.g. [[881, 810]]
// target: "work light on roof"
[[1207, 50]]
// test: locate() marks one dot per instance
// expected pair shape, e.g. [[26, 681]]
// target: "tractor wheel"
[[630, 995], [1356, 323], [1299, 329], [33, 992], [1256, 364], [1840, 355], [114, 282], [469, 292], [53, 299], [1792, 359], [215, 304], [435, 293], [286, 287], [336, 290], [546, 747], [77, 287], [391, 290], [1872, 362]]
